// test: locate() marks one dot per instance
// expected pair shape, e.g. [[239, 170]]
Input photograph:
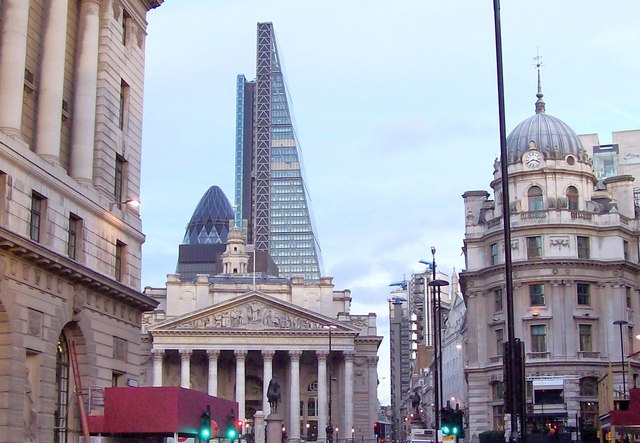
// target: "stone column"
[[294, 398], [84, 104], [241, 356], [322, 394], [267, 375], [258, 427], [158, 355], [49, 119], [373, 393], [213, 371], [185, 368], [348, 392], [13, 47]]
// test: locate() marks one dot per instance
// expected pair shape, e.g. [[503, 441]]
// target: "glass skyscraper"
[[271, 196]]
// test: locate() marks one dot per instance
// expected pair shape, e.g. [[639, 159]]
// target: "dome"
[[552, 137], [209, 223]]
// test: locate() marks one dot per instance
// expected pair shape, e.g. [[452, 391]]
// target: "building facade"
[[230, 334], [574, 245], [271, 195], [71, 91]]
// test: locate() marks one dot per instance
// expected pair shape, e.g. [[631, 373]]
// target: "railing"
[[588, 354], [585, 215], [533, 215]]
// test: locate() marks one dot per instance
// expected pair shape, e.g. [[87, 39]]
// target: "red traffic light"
[[239, 425]]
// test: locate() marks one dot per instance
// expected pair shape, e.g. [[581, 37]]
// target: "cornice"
[[73, 271]]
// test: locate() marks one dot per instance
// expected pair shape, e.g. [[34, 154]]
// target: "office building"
[[71, 93], [271, 194], [574, 246]]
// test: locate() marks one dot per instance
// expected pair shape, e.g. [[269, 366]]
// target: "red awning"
[[157, 410]]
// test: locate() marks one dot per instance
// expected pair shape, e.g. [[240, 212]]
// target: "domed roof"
[[553, 137], [209, 223]]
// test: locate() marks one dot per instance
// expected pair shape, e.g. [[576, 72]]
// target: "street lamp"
[[621, 323], [329, 361], [131, 202]]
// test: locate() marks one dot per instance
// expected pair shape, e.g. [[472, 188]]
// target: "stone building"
[[230, 334], [71, 87], [574, 245]]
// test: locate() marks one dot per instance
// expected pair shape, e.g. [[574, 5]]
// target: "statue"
[[273, 394]]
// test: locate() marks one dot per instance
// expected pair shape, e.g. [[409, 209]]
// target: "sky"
[[395, 108]]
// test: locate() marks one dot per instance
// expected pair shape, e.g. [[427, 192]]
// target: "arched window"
[[589, 386], [534, 197], [572, 198], [60, 415], [311, 407]]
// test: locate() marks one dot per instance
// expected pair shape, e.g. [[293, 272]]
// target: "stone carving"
[[79, 299], [29, 411], [254, 315], [560, 242], [515, 245], [35, 323]]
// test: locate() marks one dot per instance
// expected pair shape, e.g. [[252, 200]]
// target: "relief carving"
[[255, 315], [560, 242]]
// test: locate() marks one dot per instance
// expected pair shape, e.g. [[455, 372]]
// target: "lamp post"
[[621, 323], [329, 361]]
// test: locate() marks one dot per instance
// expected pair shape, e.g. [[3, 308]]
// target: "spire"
[[540, 106]]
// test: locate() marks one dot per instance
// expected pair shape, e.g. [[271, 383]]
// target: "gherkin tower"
[[271, 196]]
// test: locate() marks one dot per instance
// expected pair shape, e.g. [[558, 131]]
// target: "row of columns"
[[294, 383], [13, 47]]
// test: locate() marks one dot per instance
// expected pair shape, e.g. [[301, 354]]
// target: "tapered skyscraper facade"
[[271, 195]]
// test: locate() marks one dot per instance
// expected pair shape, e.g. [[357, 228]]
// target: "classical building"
[[230, 334], [71, 88], [574, 245], [271, 195]]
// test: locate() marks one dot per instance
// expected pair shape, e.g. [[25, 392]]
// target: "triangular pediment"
[[253, 311]]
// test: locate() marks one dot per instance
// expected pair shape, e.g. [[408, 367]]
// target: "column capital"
[[373, 361], [240, 354], [322, 355], [295, 354], [213, 354], [158, 354], [349, 355], [185, 354], [268, 354]]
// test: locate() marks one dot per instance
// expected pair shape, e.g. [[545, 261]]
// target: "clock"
[[532, 159]]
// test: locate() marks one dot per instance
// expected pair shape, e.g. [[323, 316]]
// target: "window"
[[584, 290], [36, 224], [589, 387], [572, 198], [118, 184], [126, 21], [121, 254], [494, 254], [536, 294], [498, 418], [538, 338], [534, 198], [498, 299], [311, 407], [124, 104], [3, 194], [497, 391], [583, 247], [585, 338], [60, 414], [534, 247], [74, 236], [625, 249], [499, 342], [630, 339], [627, 291]]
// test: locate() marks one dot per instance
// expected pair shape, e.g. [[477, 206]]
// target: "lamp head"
[[433, 250]]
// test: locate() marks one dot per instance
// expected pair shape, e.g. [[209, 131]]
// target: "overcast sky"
[[395, 109]]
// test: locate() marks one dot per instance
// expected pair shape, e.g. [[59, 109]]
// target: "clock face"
[[532, 159]]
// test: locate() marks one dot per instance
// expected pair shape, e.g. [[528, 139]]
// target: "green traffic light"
[[445, 430], [455, 431], [204, 433], [231, 433]]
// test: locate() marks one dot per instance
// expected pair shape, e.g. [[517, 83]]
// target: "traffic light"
[[376, 429], [205, 425], [239, 427], [451, 422], [231, 428]]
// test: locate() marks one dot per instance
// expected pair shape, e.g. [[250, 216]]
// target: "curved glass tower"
[[271, 195]]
